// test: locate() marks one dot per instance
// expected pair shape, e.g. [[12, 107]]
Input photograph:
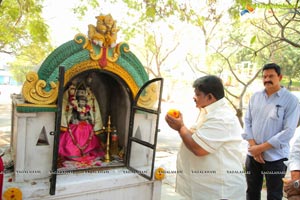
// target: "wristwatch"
[[296, 184]]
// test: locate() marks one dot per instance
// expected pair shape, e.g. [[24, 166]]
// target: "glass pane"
[[141, 158], [149, 98], [144, 126]]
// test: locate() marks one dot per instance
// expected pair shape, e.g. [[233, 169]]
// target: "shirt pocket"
[[277, 113]]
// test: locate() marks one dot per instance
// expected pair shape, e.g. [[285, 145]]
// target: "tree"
[[280, 25], [156, 49], [28, 59], [209, 16], [21, 25], [24, 35], [266, 39], [275, 34], [283, 22]]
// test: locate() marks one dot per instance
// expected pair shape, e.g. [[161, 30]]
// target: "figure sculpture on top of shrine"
[[81, 119], [105, 32]]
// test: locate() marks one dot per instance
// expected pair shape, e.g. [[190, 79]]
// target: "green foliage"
[[24, 34], [150, 12], [234, 12], [295, 83], [149, 41], [29, 59], [243, 3], [21, 24], [289, 59], [253, 39], [133, 4], [156, 9], [82, 7]]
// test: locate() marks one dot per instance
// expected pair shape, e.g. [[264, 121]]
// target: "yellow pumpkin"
[[159, 173], [174, 113]]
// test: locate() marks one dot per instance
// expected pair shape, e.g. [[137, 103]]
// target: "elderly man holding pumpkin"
[[209, 162]]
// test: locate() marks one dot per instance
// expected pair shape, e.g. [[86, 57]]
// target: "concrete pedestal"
[[107, 184], [32, 159]]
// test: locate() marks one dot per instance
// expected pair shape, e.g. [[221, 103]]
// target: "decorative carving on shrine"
[[33, 90], [97, 51]]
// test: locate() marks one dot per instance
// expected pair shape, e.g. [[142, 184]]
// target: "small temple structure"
[[85, 125]]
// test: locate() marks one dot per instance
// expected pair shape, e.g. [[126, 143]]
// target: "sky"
[[64, 24]]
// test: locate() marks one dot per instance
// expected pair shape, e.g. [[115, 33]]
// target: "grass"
[[295, 83]]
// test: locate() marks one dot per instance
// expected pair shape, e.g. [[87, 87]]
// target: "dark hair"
[[210, 84], [272, 66]]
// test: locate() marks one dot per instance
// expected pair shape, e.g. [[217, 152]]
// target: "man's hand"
[[174, 123], [259, 158], [292, 193], [296, 197], [255, 150]]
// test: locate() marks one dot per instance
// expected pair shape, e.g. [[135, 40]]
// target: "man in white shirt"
[[292, 186], [209, 161]]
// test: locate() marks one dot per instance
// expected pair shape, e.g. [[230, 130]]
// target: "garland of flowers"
[[73, 103], [83, 110]]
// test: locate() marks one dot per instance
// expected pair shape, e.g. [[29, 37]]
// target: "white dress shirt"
[[218, 175], [294, 161]]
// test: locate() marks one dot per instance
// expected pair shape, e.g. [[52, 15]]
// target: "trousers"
[[273, 172]]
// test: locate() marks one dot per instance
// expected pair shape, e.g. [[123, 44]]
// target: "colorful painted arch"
[[77, 56]]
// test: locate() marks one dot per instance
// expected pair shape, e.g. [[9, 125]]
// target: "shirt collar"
[[213, 106], [278, 93]]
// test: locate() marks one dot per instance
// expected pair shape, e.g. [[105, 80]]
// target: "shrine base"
[[110, 184]]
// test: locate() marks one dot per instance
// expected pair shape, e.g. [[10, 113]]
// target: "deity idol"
[[80, 118]]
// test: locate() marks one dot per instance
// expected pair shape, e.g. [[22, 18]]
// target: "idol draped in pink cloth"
[[78, 141]]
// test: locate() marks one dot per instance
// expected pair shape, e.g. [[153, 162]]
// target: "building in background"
[[8, 85]]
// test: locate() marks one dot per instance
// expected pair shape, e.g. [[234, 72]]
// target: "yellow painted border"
[[33, 92], [111, 67]]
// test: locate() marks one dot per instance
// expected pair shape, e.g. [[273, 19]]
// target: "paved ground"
[[5, 124]]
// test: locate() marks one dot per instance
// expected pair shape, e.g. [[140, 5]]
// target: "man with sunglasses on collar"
[[270, 123]]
